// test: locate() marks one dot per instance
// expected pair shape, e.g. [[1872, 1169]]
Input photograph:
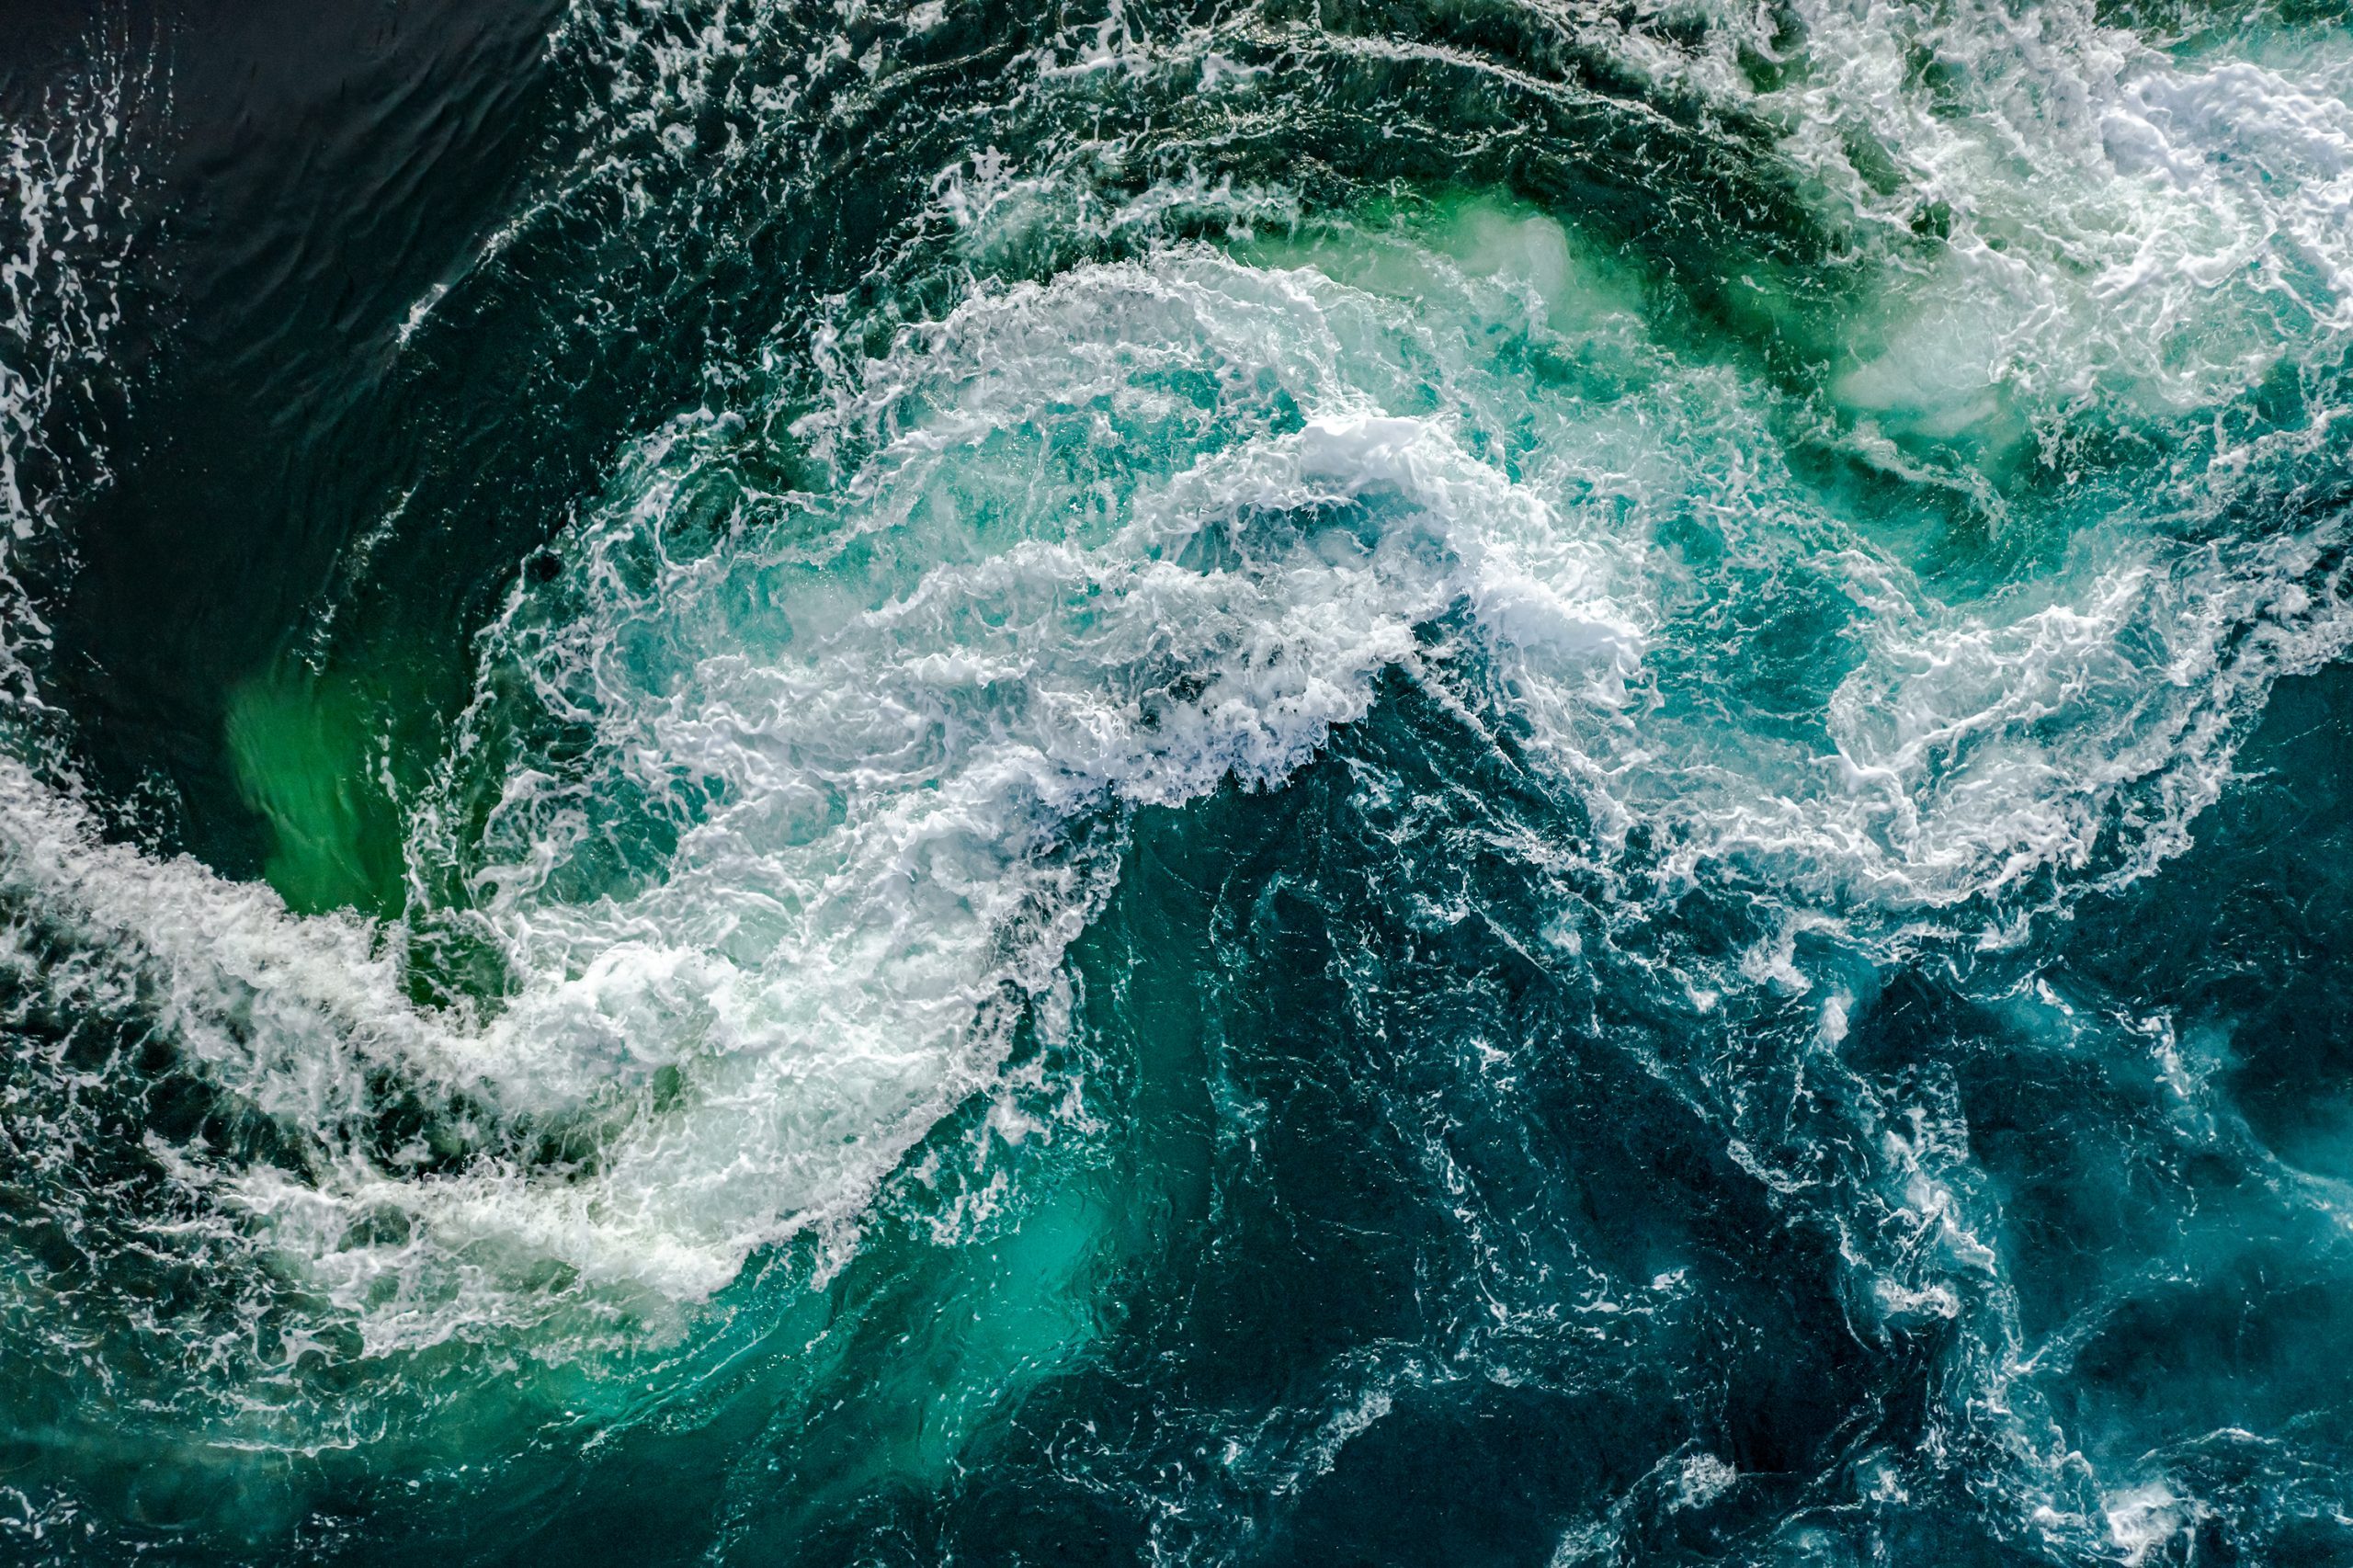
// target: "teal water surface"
[[1456, 782]]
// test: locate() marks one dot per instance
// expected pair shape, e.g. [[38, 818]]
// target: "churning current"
[[1264, 782]]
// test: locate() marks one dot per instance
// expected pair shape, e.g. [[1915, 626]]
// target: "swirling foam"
[[784, 792]]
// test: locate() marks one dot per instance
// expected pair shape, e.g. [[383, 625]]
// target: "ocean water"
[[1456, 782]]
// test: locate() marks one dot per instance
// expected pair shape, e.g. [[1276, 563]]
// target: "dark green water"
[[1264, 783]]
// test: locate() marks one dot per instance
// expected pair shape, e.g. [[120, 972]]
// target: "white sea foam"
[[777, 805], [866, 751], [874, 743], [2124, 225], [69, 179]]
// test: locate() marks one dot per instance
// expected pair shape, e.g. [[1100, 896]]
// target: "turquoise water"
[[1450, 783]]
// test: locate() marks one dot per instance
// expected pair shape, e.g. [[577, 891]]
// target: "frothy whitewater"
[[1488, 782]]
